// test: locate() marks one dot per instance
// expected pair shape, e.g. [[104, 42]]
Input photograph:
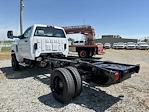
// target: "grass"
[[5, 53], [5, 49], [6, 42]]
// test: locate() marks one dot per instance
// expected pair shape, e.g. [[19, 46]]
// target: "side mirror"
[[10, 34]]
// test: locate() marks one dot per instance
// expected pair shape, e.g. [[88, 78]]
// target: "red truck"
[[89, 48]]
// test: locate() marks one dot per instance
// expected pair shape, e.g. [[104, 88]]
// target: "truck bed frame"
[[69, 72], [89, 68]]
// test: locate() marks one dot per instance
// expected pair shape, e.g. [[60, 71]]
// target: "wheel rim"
[[58, 85], [83, 53]]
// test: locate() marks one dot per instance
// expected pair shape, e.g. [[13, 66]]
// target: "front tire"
[[14, 62]]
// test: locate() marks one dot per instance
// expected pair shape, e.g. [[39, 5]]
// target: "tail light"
[[117, 76]]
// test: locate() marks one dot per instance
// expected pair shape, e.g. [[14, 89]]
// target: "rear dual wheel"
[[65, 84], [77, 80]]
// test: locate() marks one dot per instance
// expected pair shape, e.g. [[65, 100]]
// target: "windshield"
[[143, 43], [131, 43], [76, 42], [120, 44], [49, 32]]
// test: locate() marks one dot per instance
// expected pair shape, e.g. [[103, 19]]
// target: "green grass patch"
[[5, 49], [6, 42]]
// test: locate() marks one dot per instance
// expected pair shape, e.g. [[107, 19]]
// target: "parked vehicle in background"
[[120, 45], [114, 45], [79, 42], [89, 48], [100, 44], [142, 46], [107, 45], [131, 45]]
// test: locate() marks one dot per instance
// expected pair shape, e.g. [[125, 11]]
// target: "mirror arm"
[[21, 36], [16, 36]]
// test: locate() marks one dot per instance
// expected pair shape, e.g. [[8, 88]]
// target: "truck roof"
[[42, 25]]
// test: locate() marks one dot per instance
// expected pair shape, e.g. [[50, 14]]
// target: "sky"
[[128, 18]]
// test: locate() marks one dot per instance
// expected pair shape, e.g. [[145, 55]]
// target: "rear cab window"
[[49, 32]]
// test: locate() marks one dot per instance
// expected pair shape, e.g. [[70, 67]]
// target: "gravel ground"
[[28, 90]]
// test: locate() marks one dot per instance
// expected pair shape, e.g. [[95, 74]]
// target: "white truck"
[[120, 45], [131, 45], [142, 46], [48, 45], [38, 42], [107, 45]]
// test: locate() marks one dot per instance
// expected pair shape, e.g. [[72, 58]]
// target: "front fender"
[[14, 50]]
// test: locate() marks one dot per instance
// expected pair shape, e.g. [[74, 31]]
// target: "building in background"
[[114, 39]]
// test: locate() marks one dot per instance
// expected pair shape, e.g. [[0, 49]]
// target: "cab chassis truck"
[[43, 45]]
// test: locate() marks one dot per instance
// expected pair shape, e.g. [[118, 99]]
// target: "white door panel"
[[24, 47]]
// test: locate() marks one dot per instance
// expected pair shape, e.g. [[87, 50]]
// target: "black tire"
[[14, 62], [83, 54], [77, 80], [62, 85]]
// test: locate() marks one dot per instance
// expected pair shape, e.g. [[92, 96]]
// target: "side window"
[[76, 42], [27, 33]]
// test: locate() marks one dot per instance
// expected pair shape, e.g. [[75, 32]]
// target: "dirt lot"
[[28, 90], [4, 55]]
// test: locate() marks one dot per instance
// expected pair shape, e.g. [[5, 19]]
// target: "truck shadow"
[[90, 97], [25, 72]]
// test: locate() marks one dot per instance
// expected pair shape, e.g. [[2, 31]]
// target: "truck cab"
[[38, 42]]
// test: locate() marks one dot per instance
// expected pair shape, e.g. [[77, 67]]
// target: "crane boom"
[[86, 30]]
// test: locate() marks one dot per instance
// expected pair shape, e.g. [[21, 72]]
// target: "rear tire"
[[62, 85], [83, 54], [14, 62], [77, 80]]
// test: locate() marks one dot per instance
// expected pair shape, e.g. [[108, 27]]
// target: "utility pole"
[[21, 16]]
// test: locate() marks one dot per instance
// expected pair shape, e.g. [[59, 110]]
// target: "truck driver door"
[[24, 47]]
